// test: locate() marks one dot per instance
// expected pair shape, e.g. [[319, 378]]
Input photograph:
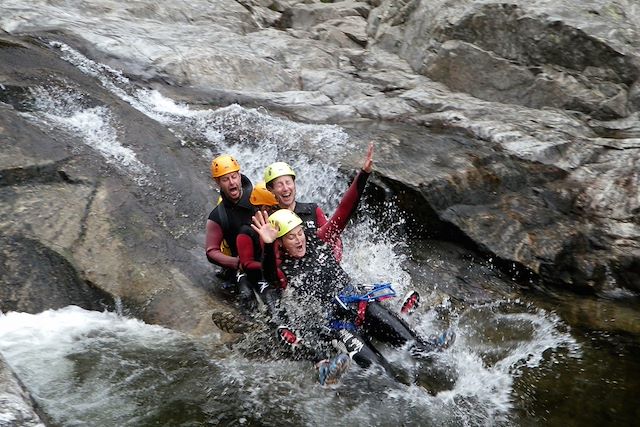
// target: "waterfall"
[[96, 368]]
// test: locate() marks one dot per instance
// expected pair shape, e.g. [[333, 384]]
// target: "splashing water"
[[96, 368], [102, 368], [496, 343], [252, 136], [94, 125]]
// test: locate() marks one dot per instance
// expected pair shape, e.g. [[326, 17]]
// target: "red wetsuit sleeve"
[[246, 254], [331, 231], [214, 238], [321, 217], [336, 243]]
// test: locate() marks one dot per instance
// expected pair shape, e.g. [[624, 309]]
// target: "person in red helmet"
[[226, 219]]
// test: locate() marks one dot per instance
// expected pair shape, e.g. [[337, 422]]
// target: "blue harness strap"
[[376, 292], [337, 325]]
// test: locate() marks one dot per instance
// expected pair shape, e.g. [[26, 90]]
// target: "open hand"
[[263, 227], [368, 160]]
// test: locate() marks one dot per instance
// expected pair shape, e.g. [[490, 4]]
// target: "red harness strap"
[[362, 308]]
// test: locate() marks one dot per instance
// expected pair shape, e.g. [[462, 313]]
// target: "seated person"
[[314, 277]]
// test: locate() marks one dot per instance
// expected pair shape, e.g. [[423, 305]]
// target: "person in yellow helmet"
[[280, 179], [226, 219], [318, 287]]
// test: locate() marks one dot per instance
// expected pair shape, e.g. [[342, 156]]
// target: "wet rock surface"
[[16, 405], [509, 125], [72, 222]]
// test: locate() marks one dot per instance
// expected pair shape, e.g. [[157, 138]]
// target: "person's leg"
[[364, 353], [246, 296], [382, 324]]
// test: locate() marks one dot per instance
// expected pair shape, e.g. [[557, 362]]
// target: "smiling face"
[[284, 188], [295, 242], [231, 185]]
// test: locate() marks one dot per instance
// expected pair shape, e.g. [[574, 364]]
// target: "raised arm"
[[331, 231], [268, 235]]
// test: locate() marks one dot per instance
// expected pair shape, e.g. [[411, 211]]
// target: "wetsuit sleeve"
[[332, 229], [246, 254], [321, 217], [272, 274], [214, 238], [336, 243]]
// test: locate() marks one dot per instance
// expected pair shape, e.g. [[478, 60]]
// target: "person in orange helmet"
[[226, 219]]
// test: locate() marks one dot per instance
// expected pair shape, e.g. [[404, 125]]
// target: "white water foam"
[[251, 135], [43, 339], [374, 255], [516, 338], [82, 365], [483, 392], [94, 125]]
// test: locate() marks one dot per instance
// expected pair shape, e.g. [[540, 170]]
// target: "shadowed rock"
[[76, 216]]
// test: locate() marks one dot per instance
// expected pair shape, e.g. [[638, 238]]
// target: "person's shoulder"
[[214, 215], [246, 229], [304, 207]]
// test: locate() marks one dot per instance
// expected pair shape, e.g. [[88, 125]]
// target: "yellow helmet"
[[276, 170], [284, 221], [260, 196], [223, 165]]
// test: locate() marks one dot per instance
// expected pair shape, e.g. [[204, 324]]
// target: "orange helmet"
[[260, 196], [223, 165]]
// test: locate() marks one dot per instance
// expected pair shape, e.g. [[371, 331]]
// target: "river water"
[[526, 356]]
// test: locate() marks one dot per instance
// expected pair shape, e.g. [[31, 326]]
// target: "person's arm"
[[331, 231], [348, 205], [270, 271], [214, 237], [321, 217], [244, 243]]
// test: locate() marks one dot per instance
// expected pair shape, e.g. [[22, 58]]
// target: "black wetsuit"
[[225, 222], [230, 217], [314, 281]]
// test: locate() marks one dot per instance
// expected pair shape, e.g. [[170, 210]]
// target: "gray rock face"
[[73, 219], [513, 123], [15, 404], [535, 54]]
